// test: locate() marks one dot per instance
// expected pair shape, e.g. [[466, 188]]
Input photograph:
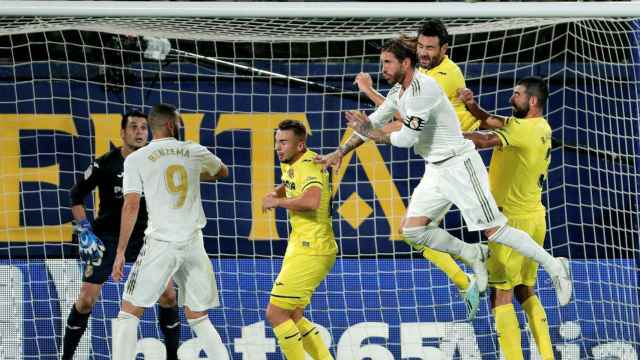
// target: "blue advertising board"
[[367, 308]]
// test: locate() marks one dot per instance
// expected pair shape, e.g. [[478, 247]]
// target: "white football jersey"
[[167, 172], [428, 114]]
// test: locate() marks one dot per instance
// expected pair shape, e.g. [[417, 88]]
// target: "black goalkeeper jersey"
[[106, 173]]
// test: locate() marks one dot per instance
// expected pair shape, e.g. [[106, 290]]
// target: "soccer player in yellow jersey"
[[311, 252], [517, 172], [432, 46]]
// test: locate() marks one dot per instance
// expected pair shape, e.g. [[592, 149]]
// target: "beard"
[[520, 112], [286, 160], [396, 78], [431, 63]]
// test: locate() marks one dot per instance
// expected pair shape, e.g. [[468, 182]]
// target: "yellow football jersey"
[[311, 231], [449, 77], [519, 167]]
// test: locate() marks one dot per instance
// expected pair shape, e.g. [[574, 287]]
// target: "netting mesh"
[[64, 81]]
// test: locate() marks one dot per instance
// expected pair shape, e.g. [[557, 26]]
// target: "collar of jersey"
[[305, 155], [440, 66], [163, 139]]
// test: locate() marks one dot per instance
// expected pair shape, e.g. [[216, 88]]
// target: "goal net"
[[65, 80]]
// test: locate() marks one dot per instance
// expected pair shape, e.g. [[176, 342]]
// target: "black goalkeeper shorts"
[[100, 274]]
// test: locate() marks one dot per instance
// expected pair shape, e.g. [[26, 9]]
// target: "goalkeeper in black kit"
[[98, 241]]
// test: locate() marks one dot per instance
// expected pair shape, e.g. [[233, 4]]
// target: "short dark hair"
[[298, 128], [536, 86], [435, 27], [131, 113], [162, 113], [401, 49]]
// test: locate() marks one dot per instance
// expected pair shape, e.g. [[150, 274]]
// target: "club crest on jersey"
[[414, 123], [290, 172]]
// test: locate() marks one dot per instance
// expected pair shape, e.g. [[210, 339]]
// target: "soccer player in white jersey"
[[454, 172], [168, 172]]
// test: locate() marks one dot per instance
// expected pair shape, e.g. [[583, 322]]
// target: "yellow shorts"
[[508, 268], [299, 277]]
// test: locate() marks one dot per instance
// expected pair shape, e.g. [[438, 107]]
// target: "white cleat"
[[562, 282], [479, 267]]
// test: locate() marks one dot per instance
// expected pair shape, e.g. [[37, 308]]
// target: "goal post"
[[234, 70]]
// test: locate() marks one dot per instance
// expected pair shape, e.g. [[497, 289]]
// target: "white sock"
[[125, 336], [209, 338], [439, 239], [521, 242]]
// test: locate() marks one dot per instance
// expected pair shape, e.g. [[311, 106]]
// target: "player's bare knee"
[[523, 293], [489, 232], [415, 221], [85, 304], [87, 298], [501, 297], [192, 315], [276, 315], [168, 298], [297, 314], [132, 309]]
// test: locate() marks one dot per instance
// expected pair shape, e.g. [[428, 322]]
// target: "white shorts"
[[463, 181], [188, 264]]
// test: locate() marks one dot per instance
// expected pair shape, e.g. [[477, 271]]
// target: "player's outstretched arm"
[[365, 85], [360, 123], [483, 139], [487, 121], [130, 210], [334, 158]]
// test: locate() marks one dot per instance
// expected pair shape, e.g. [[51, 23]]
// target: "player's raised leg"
[[428, 203], [558, 268], [466, 284]]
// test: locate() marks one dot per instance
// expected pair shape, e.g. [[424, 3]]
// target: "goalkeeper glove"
[[91, 247]]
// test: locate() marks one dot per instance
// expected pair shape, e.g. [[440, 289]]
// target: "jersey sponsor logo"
[[120, 175], [289, 185], [306, 244], [414, 123]]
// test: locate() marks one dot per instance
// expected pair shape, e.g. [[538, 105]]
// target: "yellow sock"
[[537, 319], [290, 341], [312, 341], [508, 330], [446, 263]]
